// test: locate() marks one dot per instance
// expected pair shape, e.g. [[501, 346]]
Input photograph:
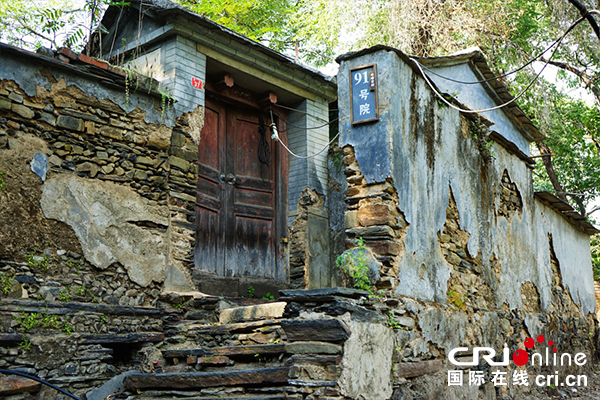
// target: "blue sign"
[[363, 94]]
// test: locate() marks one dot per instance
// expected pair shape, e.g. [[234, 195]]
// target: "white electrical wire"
[[311, 155], [438, 94], [275, 137], [275, 133]]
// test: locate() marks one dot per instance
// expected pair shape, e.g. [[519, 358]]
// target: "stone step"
[[326, 330], [62, 308], [116, 384], [199, 380], [266, 349], [252, 313], [145, 337], [223, 329], [161, 396], [11, 384], [323, 330], [226, 351], [320, 295]]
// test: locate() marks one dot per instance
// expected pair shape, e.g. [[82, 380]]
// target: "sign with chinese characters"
[[363, 94]]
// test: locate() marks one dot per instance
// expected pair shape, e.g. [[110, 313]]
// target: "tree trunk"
[[558, 188]]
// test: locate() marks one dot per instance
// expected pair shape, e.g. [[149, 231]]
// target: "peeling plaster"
[[431, 153], [34, 78]]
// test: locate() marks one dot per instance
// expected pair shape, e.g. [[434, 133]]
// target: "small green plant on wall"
[[354, 265], [38, 262], [65, 294], [457, 299], [268, 296], [67, 327], [166, 100], [25, 344], [392, 323], [6, 282], [2, 183], [27, 321], [180, 304], [337, 155]]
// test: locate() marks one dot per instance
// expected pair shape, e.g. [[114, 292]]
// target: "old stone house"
[[149, 221]]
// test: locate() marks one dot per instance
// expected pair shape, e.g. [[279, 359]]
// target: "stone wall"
[[467, 256], [372, 214], [299, 239], [326, 343], [79, 345], [98, 190]]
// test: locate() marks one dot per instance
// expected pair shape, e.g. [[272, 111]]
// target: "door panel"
[[209, 254], [208, 257], [252, 197], [252, 254], [241, 203]]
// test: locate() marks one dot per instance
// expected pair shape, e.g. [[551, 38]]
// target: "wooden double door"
[[241, 203]]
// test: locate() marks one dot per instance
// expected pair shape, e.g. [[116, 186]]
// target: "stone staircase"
[[256, 351], [187, 347]]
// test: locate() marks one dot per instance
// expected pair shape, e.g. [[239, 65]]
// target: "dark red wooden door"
[[241, 207]]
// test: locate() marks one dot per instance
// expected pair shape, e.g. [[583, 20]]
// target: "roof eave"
[[497, 90]]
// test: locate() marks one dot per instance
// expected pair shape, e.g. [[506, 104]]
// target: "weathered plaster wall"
[[108, 220], [477, 99], [107, 171], [34, 82], [427, 150]]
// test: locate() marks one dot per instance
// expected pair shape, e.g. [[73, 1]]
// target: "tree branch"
[[547, 160], [580, 204], [33, 32], [596, 144], [583, 77]]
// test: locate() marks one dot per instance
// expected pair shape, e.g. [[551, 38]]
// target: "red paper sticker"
[[197, 83]]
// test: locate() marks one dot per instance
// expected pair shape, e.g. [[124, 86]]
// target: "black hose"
[[585, 13], [35, 378], [264, 151]]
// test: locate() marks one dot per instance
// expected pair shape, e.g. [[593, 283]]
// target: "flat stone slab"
[[10, 338], [311, 359], [10, 384], [13, 305], [313, 348], [226, 351], [307, 330], [326, 294], [252, 313], [148, 337], [199, 380], [291, 348], [111, 386], [240, 327], [254, 397], [415, 369]]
